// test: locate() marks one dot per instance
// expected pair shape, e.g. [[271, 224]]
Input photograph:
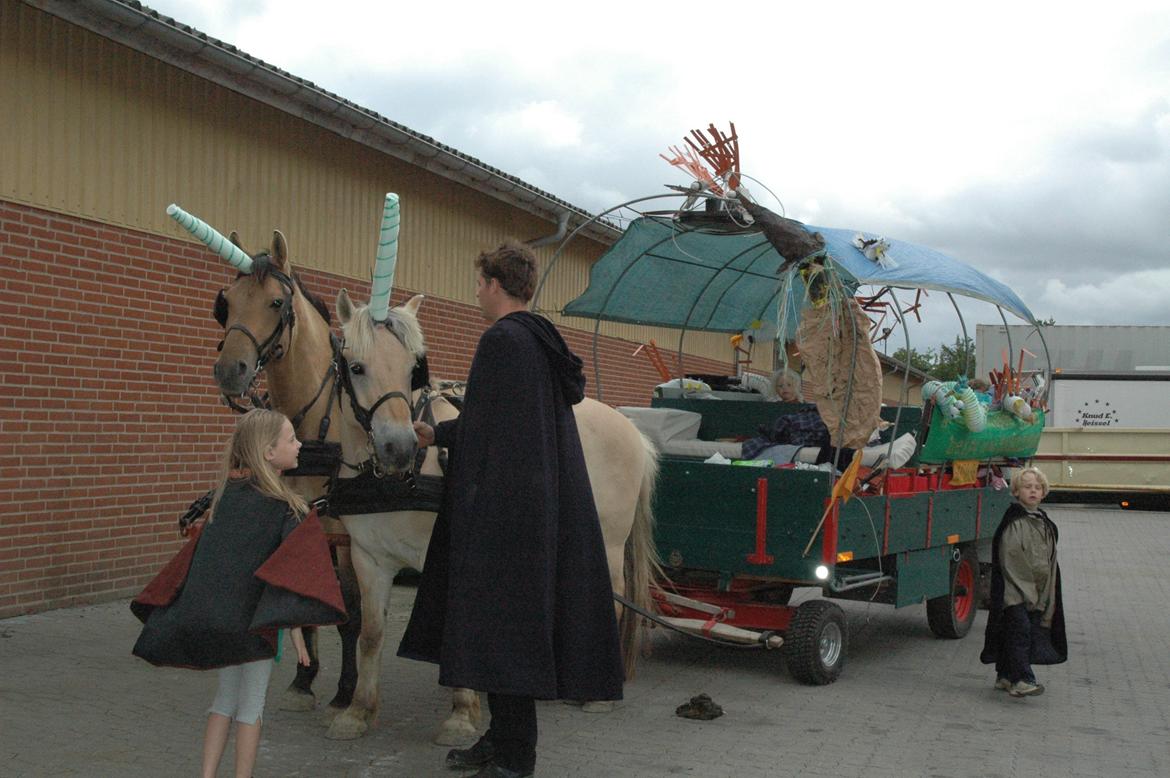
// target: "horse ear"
[[279, 252], [235, 241], [344, 307], [412, 305]]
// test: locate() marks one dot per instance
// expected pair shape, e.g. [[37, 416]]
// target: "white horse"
[[622, 464]]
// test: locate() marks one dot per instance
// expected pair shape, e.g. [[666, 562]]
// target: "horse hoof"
[[455, 734], [598, 706], [330, 714], [297, 701], [346, 727]]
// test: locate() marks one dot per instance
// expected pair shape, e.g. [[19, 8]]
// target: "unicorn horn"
[[216, 242], [387, 258]]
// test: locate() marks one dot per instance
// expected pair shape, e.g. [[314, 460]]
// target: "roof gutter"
[[134, 25]]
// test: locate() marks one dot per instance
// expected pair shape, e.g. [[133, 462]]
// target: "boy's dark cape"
[[1049, 646], [220, 600], [515, 596]]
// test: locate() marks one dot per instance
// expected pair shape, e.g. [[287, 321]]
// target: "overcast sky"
[[1031, 140]]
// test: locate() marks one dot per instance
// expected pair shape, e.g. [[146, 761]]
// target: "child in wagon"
[[260, 563], [1025, 625]]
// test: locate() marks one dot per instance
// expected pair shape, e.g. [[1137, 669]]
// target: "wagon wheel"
[[952, 615], [816, 642]]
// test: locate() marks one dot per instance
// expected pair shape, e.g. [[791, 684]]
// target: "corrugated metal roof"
[[1096, 347], [140, 27]]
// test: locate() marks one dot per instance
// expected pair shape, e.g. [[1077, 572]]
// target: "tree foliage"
[[946, 364], [919, 360], [955, 360]]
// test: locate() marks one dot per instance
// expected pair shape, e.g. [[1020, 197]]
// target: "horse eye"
[[356, 368], [278, 302]]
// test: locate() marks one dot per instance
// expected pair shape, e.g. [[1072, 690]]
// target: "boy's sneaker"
[[1026, 689], [1002, 684]]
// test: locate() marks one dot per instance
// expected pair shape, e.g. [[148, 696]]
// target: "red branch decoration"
[[689, 161], [720, 152]]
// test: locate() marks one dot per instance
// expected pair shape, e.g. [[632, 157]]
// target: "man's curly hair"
[[513, 265]]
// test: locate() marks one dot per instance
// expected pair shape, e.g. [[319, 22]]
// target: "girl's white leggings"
[[242, 689]]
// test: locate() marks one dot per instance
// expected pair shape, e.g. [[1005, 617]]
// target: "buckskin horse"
[[273, 325]]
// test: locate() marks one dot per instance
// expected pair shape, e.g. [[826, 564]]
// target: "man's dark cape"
[[1049, 646], [252, 570], [515, 596]]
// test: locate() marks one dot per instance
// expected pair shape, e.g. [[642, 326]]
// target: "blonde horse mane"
[[359, 331]]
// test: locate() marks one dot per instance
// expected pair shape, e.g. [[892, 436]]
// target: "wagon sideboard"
[[754, 523]]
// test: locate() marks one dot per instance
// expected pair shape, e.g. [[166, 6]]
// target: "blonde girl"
[[216, 604]]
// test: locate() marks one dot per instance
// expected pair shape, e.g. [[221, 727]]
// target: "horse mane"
[[262, 264], [359, 332]]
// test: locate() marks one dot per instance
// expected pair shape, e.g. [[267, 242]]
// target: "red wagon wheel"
[[952, 615]]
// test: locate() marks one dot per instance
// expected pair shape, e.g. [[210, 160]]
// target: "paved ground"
[[73, 702]]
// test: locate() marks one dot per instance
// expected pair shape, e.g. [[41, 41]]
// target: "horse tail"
[[642, 565]]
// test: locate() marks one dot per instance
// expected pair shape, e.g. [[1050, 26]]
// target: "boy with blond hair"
[[1025, 625]]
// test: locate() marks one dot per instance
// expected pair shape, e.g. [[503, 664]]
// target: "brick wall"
[[109, 419]]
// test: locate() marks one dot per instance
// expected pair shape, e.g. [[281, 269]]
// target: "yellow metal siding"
[[98, 130]]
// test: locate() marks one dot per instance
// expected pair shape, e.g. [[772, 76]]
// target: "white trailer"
[[1108, 437]]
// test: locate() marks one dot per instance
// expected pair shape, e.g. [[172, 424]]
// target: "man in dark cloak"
[[515, 597]]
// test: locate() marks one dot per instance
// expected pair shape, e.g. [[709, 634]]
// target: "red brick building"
[[110, 423]]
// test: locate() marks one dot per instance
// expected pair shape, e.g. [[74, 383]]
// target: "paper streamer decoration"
[[216, 242], [387, 259]]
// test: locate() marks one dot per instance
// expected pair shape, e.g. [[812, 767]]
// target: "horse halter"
[[271, 348], [420, 377]]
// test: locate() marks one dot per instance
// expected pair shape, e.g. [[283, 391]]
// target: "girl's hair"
[[1036, 472], [792, 377], [257, 431]]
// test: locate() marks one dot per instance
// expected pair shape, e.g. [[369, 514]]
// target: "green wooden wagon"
[[735, 541], [736, 538]]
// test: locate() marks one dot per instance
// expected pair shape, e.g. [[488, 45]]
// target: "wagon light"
[[822, 573]]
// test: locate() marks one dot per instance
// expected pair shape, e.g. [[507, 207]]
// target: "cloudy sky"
[[1031, 140]]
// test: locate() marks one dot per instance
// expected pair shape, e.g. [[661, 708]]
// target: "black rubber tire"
[[952, 615], [816, 642]]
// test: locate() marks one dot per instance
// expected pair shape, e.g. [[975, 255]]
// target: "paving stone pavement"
[[74, 702]]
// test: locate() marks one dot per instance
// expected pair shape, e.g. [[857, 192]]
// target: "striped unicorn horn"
[[216, 242], [387, 259]]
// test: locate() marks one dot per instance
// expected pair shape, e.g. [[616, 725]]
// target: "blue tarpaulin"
[[666, 273]]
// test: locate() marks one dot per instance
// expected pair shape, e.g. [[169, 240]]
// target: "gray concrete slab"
[[74, 702]]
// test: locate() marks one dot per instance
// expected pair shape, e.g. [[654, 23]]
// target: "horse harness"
[[369, 491]]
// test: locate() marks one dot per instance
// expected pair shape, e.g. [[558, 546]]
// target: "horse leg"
[[299, 694], [349, 631], [460, 728], [374, 582]]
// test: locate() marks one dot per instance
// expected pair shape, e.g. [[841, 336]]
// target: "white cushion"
[[703, 448], [663, 425]]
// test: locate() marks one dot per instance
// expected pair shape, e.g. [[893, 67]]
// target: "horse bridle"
[[271, 348], [419, 379]]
